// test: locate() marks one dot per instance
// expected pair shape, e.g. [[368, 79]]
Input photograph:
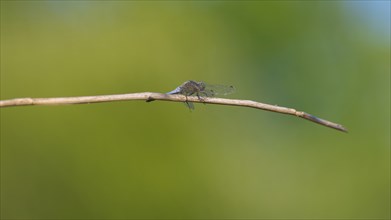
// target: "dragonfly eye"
[[202, 85]]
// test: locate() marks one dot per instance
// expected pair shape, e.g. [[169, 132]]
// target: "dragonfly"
[[201, 89]]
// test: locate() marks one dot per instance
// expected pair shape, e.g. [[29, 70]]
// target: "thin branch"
[[151, 96]]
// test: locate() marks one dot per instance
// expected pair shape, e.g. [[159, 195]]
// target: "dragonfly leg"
[[199, 97], [189, 104]]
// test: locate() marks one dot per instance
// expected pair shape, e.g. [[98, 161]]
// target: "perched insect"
[[201, 89]]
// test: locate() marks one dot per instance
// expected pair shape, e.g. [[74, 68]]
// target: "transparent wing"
[[215, 89], [190, 105]]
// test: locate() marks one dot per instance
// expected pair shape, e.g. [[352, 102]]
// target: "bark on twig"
[[150, 96]]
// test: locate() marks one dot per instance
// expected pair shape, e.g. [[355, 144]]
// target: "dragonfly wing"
[[190, 105], [213, 90], [207, 93]]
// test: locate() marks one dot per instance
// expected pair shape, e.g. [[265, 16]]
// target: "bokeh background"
[[158, 160]]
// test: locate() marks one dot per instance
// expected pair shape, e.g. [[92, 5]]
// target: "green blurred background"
[[158, 160]]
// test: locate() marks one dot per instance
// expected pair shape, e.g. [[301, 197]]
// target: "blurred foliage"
[[158, 160]]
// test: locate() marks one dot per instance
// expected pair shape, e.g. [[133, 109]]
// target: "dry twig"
[[150, 96]]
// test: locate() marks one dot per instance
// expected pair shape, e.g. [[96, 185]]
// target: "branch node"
[[150, 99]]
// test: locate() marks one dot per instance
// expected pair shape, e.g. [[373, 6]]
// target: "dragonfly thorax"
[[191, 87]]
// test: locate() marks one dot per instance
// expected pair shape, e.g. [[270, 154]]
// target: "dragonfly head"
[[202, 85]]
